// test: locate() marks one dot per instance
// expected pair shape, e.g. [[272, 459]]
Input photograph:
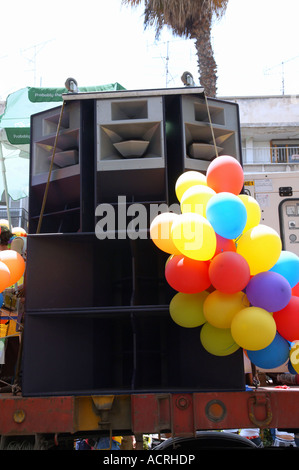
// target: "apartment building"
[[269, 132]]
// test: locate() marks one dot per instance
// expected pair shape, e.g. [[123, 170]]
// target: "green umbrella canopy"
[[22, 103], [15, 132]]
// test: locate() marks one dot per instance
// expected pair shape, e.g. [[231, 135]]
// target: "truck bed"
[[175, 413]]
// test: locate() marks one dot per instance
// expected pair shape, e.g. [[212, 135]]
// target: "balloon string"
[[238, 238], [211, 126]]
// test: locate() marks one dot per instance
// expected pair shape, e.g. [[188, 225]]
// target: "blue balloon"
[[274, 355], [1, 300], [288, 266], [269, 290], [227, 214]]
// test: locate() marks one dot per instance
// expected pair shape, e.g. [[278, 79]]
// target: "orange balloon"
[[4, 277], [160, 232], [225, 174], [15, 263]]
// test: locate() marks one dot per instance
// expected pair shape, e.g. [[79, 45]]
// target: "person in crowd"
[[253, 434]]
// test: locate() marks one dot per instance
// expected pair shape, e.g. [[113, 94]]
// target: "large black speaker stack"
[[97, 318]]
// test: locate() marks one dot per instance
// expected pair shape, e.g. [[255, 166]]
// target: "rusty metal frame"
[[180, 414], [184, 414]]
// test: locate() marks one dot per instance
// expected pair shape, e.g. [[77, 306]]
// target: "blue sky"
[[102, 42]]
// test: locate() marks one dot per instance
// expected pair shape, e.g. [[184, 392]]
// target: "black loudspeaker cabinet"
[[97, 310], [69, 203], [120, 351]]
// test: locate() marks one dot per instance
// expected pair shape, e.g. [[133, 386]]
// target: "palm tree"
[[190, 19]]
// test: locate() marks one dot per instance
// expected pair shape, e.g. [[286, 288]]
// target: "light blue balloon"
[[288, 266], [227, 214], [274, 355]]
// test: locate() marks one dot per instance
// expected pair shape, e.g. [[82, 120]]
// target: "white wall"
[[269, 110], [263, 119]]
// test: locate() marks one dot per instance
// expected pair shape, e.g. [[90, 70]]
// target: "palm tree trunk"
[[207, 66]]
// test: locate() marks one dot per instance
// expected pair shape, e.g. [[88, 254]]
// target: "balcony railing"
[[271, 155]]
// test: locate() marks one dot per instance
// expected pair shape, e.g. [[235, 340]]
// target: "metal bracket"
[[102, 403], [258, 401], [285, 191]]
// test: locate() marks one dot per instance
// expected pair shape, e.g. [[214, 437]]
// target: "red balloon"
[[224, 244], [229, 272], [287, 320], [225, 174], [295, 290], [187, 275]]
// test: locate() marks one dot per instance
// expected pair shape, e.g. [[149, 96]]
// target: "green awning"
[[42, 95], [15, 132], [30, 100]]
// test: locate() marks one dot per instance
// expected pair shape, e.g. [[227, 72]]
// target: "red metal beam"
[[179, 413], [185, 413], [26, 416]]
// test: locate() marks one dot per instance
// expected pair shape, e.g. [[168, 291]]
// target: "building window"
[[284, 151]]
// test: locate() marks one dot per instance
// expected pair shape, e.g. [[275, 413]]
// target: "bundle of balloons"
[[232, 277], [12, 264]]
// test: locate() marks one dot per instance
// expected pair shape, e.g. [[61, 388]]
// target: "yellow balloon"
[[253, 328], [261, 247], [220, 308], [160, 232], [194, 236], [217, 341], [188, 179], [195, 199], [294, 355], [187, 309], [253, 211]]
